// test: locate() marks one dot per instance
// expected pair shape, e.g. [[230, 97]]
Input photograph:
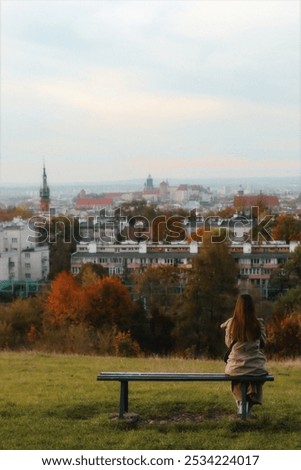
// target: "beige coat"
[[245, 357]]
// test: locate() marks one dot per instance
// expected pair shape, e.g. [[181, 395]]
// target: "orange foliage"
[[66, 301], [32, 334], [109, 302], [227, 212], [287, 228], [103, 303], [284, 336], [198, 235], [125, 346], [11, 212]]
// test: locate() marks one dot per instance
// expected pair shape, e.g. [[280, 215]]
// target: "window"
[[113, 271]]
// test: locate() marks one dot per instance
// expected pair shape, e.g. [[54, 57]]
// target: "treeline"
[[165, 311], [11, 212]]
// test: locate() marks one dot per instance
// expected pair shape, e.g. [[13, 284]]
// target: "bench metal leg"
[[244, 400], [124, 398]]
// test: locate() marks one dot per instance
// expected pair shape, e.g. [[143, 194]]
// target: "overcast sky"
[[112, 90]]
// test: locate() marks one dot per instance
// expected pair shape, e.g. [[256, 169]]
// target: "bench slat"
[[180, 377]]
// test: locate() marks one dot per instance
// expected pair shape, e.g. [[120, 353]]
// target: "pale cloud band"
[[124, 88]]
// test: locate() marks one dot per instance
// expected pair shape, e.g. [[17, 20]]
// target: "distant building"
[[191, 195], [132, 257], [243, 203], [151, 195], [164, 192], [44, 193], [149, 185], [96, 203], [86, 201], [256, 261], [240, 191], [24, 263]]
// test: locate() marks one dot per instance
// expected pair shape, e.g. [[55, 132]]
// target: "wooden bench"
[[125, 377]]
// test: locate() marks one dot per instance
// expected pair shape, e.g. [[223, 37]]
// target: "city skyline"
[[104, 91]]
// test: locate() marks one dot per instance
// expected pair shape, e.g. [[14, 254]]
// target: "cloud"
[[110, 115], [206, 166], [221, 20], [115, 95], [185, 86]]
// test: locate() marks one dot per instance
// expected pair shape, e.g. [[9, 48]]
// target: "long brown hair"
[[244, 324]]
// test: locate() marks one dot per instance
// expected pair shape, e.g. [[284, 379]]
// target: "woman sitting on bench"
[[245, 336]]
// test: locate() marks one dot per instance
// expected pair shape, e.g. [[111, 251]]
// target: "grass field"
[[55, 402]]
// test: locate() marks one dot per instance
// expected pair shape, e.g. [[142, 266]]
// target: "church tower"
[[149, 183], [44, 193]]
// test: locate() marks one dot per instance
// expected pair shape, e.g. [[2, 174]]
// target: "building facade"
[[255, 261], [24, 263]]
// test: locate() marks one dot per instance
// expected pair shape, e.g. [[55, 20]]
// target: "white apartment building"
[[132, 257], [21, 257], [255, 261]]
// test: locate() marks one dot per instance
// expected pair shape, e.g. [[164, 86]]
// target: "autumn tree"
[[284, 328], [15, 211], [208, 299], [95, 306], [198, 235], [157, 285], [125, 346], [63, 235], [284, 336], [114, 310], [20, 322], [66, 302], [287, 275], [90, 272], [157, 289], [293, 267], [109, 304], [287, 228]]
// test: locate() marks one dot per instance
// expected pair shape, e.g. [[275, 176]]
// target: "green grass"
[[55, 402]]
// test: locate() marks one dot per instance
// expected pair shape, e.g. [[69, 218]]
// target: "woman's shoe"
[[239, 407]]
